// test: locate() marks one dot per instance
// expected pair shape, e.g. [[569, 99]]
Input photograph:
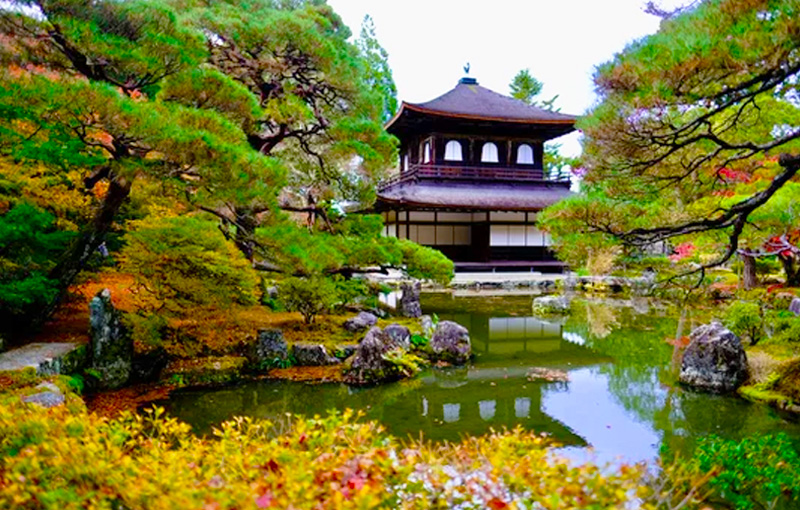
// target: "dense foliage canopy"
[[688, 135], [168, 107]]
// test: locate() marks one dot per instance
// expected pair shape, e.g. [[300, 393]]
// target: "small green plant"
[[419, 341], [277, 362], [177, 380], [406, 363], [746, 320], [309, 296], [76, 383]]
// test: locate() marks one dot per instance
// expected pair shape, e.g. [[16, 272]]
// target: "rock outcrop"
[[270, 346], [399, 336], [369, 366], [551, 305], [111, 347], [451, 343], [409, 300], [50, 396], [361, 322], [714, 360], [312, 355]]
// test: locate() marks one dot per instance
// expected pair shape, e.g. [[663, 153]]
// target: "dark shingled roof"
[[468, 100], [483, 196]]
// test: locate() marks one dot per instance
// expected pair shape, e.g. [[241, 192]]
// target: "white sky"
[[560, 41]]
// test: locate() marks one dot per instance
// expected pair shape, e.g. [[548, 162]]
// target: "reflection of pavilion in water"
[[494, 393], [443, 404]]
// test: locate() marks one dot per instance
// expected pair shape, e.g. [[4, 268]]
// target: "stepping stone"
[[45, 358]]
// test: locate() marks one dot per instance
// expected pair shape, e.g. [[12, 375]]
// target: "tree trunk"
[[792, 274], [87, 243], [749, 278], [246, 224]]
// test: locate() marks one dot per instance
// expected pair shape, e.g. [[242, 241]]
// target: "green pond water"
[[622, 398]]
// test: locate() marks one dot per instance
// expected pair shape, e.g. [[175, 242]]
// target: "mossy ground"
[[774, 375]]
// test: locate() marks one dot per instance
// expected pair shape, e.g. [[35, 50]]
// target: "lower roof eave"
[[383, 204]]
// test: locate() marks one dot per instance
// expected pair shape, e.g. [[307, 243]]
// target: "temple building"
[[472, 180]]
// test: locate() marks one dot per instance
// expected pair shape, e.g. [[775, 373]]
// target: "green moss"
[[414, 326], [788, 381], [210, 370], [757, 394]]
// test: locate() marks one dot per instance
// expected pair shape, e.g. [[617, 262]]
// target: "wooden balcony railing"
[[471, 173]]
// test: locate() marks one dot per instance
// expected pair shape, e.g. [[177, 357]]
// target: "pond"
[[621, 399]]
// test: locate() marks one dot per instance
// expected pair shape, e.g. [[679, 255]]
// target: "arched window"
[[452, 151], [405, 163], [426, 152], [489, 153], [524, 155]]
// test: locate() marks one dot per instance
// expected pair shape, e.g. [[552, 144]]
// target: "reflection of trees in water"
[[643, 380], [602, 319]]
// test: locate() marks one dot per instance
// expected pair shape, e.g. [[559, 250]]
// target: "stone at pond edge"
[[551, 305], [111, 344], [270, 346], [409, 300], [451, 343], [399, 336], [794, 306], [714, 360], [362, 321], [368, 366], [312, 355]]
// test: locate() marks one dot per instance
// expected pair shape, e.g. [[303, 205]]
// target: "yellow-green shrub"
[[183, 262], [65, 458]]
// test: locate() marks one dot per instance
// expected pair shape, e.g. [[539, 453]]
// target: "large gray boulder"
[[451, 343], [551, 305], [361, 322], [369, 365], [714, 360], [270, 346], [111, 345], [409, 300], [312, 355]]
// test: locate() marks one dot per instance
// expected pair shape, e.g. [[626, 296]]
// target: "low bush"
[[785, 327], [746, 320], [757, 472], [309, 296], [184, 262]]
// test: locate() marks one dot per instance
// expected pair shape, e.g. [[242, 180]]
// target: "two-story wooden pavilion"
[[471, 178]]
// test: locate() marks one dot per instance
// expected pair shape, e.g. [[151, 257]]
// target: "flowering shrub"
[[682, 251], [66, 458]]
